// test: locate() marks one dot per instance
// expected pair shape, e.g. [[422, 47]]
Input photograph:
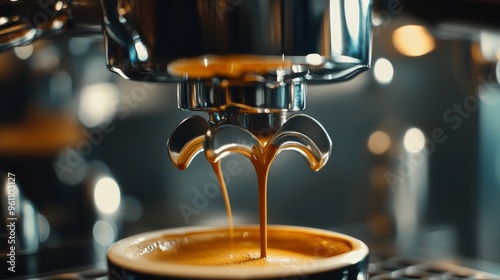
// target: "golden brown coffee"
[[216, 248], [231, 66]]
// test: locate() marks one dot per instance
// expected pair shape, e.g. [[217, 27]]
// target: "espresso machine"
[[405, 153]]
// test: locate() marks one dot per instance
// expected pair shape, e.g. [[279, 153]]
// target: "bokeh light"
[[97, 103], [104, 233], [490, 45], [107, 195], [383, 71], [414, 140], [43, 228], [379, 142], [46, 59], [413, 40], [78, 45]]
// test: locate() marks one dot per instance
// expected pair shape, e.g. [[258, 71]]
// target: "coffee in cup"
[[213, 253]]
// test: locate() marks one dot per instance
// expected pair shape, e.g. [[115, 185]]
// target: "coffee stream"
[[262, 163], [218, 171]]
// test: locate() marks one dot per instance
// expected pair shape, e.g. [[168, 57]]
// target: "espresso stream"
[[218, 171], [261, 163]]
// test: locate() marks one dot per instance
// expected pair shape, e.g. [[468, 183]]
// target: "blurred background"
[[415, 163]]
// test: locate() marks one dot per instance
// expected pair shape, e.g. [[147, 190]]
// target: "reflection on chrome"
[[353, 21], [141, 50], [336, 29], [314, 59], [24, 52]]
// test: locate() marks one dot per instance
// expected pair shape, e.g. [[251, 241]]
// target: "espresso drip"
[[299, 133], [222, 183]]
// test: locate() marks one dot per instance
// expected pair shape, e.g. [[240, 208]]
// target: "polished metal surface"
[[250, 136], [249, 98], [187, 141], [143, 37], [299, 133], [317, 42], [261, 125]]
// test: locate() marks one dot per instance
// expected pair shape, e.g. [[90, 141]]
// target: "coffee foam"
[[140, 253], [215, 248]]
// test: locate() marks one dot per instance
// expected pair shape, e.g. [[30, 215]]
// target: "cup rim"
[[117, 256]]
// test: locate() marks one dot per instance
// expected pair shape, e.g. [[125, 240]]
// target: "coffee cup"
[[218, 253]]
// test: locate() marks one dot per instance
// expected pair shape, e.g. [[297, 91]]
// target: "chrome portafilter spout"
[[243, 126], [299, 133]]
